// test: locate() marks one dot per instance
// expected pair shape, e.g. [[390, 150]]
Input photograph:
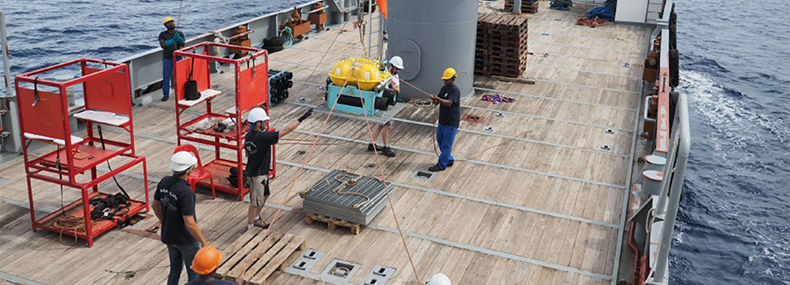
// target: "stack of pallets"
[[501, 45], [527, 6]]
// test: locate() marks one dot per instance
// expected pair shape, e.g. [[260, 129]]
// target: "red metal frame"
[[105, 90], [251, 90]]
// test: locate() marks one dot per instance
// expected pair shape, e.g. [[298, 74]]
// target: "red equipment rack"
[[251, 90], [44, 117]]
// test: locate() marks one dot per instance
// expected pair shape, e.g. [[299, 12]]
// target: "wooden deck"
[[543, 209]]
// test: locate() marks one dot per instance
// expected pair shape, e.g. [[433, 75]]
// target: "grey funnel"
[[430, 36]]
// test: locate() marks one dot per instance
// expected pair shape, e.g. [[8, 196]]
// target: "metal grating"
[[380, 117], [321, 200]]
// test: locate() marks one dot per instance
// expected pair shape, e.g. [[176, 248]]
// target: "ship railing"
[[675, 168], [145, 68]]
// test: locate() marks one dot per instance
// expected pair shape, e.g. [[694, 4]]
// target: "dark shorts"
[[387, 124]]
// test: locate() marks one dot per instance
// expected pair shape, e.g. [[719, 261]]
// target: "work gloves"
[[305, 116], [176, 39]]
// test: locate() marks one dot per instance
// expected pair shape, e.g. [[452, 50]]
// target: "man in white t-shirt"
[[395, 66]]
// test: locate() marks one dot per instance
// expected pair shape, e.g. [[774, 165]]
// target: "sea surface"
[[734, 223]]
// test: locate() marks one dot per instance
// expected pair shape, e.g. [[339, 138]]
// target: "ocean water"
[[42, 33], [734, 224]]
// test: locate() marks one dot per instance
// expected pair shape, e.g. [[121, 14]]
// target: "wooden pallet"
[[275, 252], [332, 223], [526, 7]]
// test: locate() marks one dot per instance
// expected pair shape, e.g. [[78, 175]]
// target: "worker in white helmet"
[[258, 145], [174, 205], [439, 279], [395, 66]]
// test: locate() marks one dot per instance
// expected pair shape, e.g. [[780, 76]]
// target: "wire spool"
[[674, 68]]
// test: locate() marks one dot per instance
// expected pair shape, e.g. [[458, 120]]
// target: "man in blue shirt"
[[174, 205], [170, 41], [449, 101]]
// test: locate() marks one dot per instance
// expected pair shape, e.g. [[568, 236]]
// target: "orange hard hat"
[[206, 260]]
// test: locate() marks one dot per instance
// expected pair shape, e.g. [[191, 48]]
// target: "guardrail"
[[145, 68], [675, 169]]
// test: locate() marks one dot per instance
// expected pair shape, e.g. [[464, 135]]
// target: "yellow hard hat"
[[206, 260], [168, 19], [449, 73]]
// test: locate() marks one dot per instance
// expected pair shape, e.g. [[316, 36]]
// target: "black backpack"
[[109, 207], [234, 177], [190, 87]]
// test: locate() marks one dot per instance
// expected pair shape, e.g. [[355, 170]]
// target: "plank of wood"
[[237, 244], [278, 260], [237, 260], [264, 246], [264, 258], [516, 80]]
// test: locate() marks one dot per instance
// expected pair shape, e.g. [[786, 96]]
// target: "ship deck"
[[546, 208]]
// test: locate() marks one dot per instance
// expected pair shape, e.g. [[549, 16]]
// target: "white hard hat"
[[257, 115], [439, 279], [181, 161], [397, 62]]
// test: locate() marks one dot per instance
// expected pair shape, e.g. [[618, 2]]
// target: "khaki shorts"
[[259, 189]]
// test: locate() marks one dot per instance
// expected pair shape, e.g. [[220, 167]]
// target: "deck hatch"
[[306, 261], [379, 275], [339, 271], [423, 175]]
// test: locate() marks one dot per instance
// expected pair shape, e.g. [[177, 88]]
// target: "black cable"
[[101, 138]]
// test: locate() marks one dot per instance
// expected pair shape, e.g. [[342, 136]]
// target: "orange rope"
[[386, 188], [240, 279]]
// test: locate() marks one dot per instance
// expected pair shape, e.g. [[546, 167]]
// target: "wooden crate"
[[332, 223], [526, 7], [501, 46], [275, 252]]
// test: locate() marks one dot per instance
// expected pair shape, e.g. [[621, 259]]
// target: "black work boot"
[[370, 147], [388, 151], [435, 168]]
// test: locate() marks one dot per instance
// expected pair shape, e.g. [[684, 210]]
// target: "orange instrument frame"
[[251, 90], [44, 117]]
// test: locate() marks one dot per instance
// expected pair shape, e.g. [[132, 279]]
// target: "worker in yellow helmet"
[[170, 41], [449, 101], [206, 261]]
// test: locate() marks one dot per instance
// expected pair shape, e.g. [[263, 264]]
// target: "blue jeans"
[[167, 74], [445, 135], [181, 254]]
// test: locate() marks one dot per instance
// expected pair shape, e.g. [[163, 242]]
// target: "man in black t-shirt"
[[449, 101], [174, 205], [258, 145], [170, 41]]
